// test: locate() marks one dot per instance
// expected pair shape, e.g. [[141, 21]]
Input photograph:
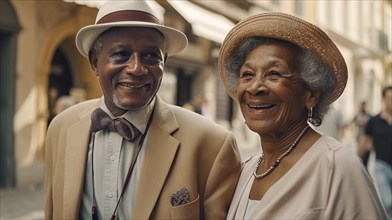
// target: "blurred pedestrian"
[[195, 105], [198, 104], [359, 121], [62, 103], [333, 124], [378, 137]]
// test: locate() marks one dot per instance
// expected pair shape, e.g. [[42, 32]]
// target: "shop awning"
[[90, 3], [204, 22]]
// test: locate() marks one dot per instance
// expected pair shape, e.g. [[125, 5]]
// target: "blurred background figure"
[[188, 105], [195, 105], [333, 124], [359, 122], [378, 137], [62, 103], [360, 119]]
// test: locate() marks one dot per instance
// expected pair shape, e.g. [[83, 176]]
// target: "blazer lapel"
[[77, 141], [162, 147]]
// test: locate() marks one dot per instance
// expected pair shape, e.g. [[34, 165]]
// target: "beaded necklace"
[[277, 162]]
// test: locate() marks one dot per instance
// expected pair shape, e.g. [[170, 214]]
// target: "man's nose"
[[135, 65]]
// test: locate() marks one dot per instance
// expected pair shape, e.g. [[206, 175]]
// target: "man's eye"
[[152, 57], [121, 54]]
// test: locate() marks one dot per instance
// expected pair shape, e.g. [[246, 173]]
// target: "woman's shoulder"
[[349, 185], [337, 156]]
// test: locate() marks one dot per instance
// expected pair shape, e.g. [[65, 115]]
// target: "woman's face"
[[130, 67], [271, 93]]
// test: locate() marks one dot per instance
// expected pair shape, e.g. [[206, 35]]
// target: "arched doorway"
[[60, 79], [9, 29]]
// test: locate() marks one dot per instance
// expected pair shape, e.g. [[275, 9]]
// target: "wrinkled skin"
[[273, 98], [130, 67]]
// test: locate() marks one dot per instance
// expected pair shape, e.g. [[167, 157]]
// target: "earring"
[[310, 116]]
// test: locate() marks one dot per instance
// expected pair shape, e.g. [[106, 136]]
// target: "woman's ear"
[[313, 97], [93, 58]]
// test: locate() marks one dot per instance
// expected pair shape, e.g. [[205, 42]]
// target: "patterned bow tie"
[[100, 120]]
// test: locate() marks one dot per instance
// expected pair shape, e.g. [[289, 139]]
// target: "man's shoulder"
[[190, 116], [375, 119], [189, 121], [82, 106], [73, 113]]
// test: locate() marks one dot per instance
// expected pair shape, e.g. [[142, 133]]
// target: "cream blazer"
[[184, 149]]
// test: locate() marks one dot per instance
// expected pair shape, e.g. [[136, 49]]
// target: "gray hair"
[[97, 45], [315, 74]]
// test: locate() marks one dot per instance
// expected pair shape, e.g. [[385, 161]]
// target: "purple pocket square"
[[181, 197]]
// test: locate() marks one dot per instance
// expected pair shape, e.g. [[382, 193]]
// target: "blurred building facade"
[[39, 63]]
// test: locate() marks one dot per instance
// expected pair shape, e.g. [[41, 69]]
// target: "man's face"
[[388, 100], [130, 67]]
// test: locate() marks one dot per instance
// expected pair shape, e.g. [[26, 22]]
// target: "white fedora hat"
[[129, 14]]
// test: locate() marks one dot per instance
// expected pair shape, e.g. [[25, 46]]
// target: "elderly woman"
[[285, 73]]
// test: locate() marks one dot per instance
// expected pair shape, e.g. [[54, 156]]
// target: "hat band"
[[129, 15]]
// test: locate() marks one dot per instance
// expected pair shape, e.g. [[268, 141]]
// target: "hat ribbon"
[[129, 15]]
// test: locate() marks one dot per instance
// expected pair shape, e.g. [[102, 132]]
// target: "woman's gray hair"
[[315, 74]]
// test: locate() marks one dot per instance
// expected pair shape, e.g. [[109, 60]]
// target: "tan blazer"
[[184, 150]]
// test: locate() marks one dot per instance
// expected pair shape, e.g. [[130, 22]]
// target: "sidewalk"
[[21, 204]]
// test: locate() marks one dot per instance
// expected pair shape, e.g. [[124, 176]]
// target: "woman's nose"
[[257, 86]]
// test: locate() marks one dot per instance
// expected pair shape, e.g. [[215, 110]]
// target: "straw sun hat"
[[129, 14], [289, 28]]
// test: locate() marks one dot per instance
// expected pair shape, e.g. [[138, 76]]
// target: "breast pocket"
[[188, 211]]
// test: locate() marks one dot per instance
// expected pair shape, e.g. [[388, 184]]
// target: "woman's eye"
[[274, 74], [246, 74]]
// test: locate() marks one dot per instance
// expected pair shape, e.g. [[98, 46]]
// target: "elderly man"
[[130, 155]]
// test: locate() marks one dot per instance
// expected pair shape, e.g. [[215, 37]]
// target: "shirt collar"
[[138, 118]]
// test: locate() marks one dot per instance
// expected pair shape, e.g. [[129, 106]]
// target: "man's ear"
[[165, 58], [313, 97], [93, 58]]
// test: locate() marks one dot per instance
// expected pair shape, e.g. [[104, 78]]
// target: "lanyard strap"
[[94, 211]]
